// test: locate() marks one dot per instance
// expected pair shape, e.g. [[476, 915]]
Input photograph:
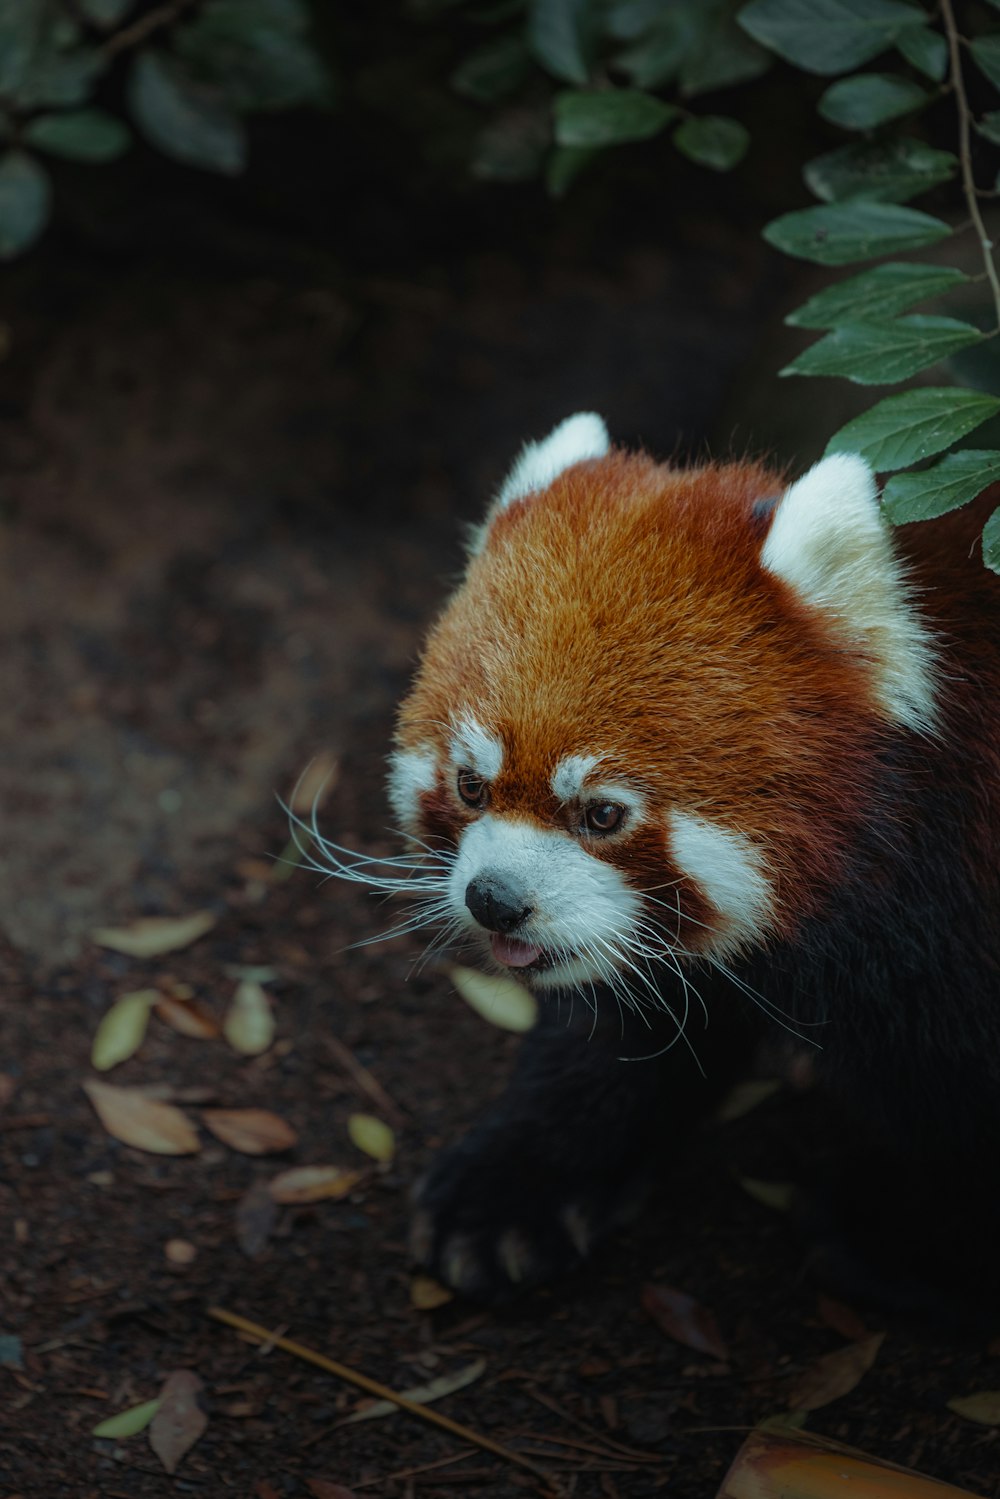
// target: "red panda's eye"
[[471, 788], [603, 817]]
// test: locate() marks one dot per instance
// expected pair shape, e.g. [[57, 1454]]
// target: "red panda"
[[699, 744]]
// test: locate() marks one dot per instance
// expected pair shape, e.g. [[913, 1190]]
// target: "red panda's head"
[[646, 724]]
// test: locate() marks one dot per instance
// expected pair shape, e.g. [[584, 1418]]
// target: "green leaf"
[[841, 233], [925, 50], [723, 55], [564, 166], [21, 23], [882, 353], [991, 542], [561, 35], [255, 54], [492, 71], [128, 1423], [829, 36], [105, 13], [869, 99], [610, 117], [986, 51], [25, 202], [183, 120], [906, 428], [989, 126], [627, 20], [712, 141], [659, 56], [81, 135], [513, 147], [882, 171], [876, 294], [60, 80], [954, 481]]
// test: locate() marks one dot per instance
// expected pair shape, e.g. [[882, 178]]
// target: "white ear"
[[829, 543], [539, 463]]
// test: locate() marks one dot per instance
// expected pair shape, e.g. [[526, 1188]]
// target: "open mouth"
[[513, 953]]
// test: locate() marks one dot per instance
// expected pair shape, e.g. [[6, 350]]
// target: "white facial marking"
[[569, 775], [476, 747], [411, 773], [582, 909], [730, 871], [829, 543], [576, 439]]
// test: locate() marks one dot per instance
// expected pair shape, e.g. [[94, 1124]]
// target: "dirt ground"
[[230, 501]]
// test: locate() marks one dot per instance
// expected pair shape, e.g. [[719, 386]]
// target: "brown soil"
[[229, 507]]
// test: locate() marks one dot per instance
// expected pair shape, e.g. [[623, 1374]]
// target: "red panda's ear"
[[539, 463], [829, 543]]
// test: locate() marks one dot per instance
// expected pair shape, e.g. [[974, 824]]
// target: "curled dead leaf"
[[186, 1017], [132, 1117], [180, 1420], [835, 1374], [313, 1184], [682, 1318], [424, 1394], [122, 1028], [372, 1136], [501, 1001], [983, 1407], [150, 936], [249, 1022], [426, 1293], [252, 1131]]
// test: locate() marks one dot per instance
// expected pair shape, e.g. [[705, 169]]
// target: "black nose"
[[494, 905]]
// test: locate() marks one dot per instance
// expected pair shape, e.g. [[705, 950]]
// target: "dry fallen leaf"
[[256, 1214], [322, 1488], [372, 1136], [776, 1195], [682, 1318], [253, 1131], [315, 783], [983, 1407], [180, 1420], [746, 1096], [313, 1184], [149, 936], [185, 1017], [426, 1293], [835, 1374], [424, 1394], [249, 1023], [128, 1423], [501, 1001], [122, 1029], [842, 1318], [146, 1123]]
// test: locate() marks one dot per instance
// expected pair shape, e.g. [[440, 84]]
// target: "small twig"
[[365, 1080], [373, 1387], [965, 151], [400, 1473], [591, 1431], [152, 21]]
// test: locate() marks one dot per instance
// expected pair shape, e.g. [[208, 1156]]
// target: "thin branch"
[[145, 26], [965, 150]]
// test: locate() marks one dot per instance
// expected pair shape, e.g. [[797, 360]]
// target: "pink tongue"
[[513, 953]]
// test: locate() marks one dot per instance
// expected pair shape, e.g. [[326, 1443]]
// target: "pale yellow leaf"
[[315, 784], [180, 1420], [180, 1252], [135, 1119], [121, 1030], [746, 1096], [372, 1136], [185, 1017], [151, 936], [253, 1131], [249, 1022], [983, 1407], [128, 1423], [424, 1394], [426, 1293], [313, 1183], [776, 1195], [499, 1000]]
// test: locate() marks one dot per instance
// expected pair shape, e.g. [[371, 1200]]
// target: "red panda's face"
[[644, 727]]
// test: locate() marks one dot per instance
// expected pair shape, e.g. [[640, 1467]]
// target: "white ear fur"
[[829, 543], [577, 438]]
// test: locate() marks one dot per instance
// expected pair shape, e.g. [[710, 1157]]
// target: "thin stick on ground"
[[373, 1387]]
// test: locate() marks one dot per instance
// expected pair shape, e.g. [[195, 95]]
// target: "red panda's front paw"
[[492, 1219]]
